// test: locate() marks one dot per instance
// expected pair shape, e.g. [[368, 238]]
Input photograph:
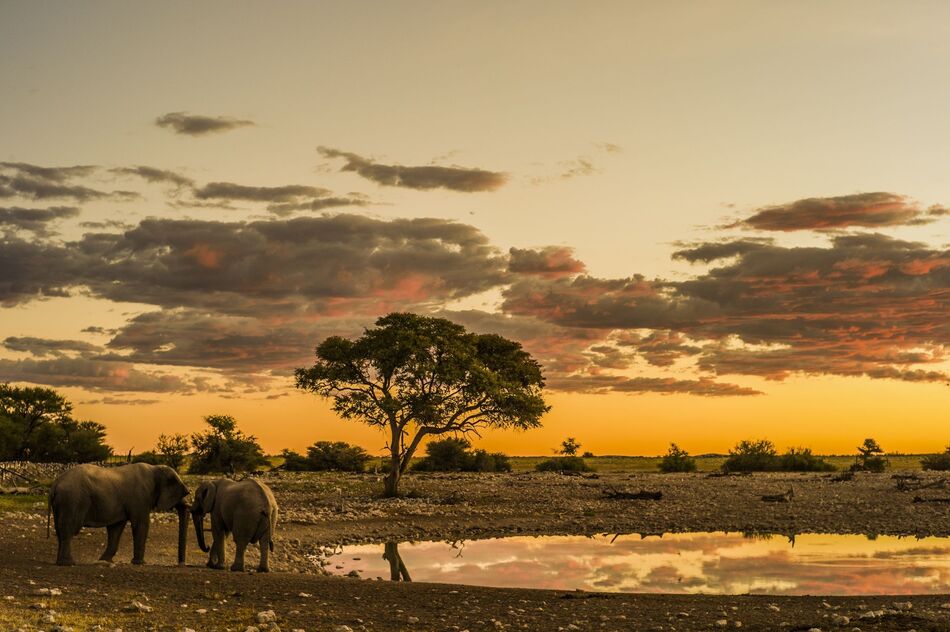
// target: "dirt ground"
[[319, 511]]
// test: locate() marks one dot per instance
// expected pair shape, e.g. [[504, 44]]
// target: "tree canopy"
[[420, 376], [36, 424], [224, 448]]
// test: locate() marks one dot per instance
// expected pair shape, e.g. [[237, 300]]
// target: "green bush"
[[761, 456], [802, 460], [326, 456], [564, 464], [677, 460], [752, 456], [937, 462], [454, 455], [224, 448]]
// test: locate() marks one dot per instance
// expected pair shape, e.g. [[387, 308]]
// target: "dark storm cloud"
[[199, 125], [462, 179], [34, 220], [550, 261], [155, 176], [875, 209]]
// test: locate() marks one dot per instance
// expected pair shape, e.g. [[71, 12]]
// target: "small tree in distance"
[[325, 456], [173, 449], [870, 458], [677, 460], [569, 447], [224, 448], [417, 376]]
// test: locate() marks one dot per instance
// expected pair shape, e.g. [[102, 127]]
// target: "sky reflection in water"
[[720, 563]]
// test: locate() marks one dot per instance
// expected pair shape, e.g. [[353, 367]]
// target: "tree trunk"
[[391, 483]]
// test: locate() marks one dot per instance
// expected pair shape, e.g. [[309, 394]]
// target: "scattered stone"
[[903, 605], [342, 628], [252, 628], [412, 620], [267, 616], [774, 608], [840, 619], [137, 606], [722, 623]]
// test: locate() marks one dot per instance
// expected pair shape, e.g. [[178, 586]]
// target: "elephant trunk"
[[199, 520], [182, 531]]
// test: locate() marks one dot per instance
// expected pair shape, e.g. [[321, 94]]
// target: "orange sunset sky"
[[708, 221]]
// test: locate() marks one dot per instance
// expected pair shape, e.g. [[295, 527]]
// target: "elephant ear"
[[207, 502], [169, 489]]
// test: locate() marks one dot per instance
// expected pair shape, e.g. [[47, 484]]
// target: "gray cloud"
[[20, 179], [34, 220], [550, 261], [665, 386], [462, 179], [199, 125], [46, 346], [282, 200], [872, 210], [155, 176]]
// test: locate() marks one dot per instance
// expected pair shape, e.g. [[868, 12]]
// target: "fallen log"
[[617, 494], [919, 499], [779, 498]]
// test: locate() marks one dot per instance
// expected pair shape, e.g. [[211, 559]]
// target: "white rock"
[[267, 616], [840, 619], [412, 620], [137, 606], [722, 623], [342, 628], [903, 605]]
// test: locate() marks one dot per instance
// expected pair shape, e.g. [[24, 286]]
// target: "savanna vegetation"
[[37, 424], [327, 456], [455, 454], [760, 455]]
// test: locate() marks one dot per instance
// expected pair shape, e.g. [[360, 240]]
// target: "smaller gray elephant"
[[246, 509]]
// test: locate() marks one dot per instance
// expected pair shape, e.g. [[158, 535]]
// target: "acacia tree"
[[418, 376]]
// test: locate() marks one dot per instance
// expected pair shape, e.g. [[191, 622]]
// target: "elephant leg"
[[66, 530], [139, 537], [64, 550], [240, 545], [263, 567], [114, 535], [218, 535]]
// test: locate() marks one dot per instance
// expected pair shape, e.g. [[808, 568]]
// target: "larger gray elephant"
[[246, 509], [92, 496]]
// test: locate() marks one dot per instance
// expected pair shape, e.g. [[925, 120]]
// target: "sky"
[[708, 221]]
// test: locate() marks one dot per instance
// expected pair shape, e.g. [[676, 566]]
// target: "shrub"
[[454, 455], [337, 455], [938, 462], [802, 460], [294, 462], [224, 448], [149, 456], [564, 464], [588, 455], [677, 460], [751, 456]]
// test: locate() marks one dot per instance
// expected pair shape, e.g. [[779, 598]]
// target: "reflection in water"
[[718, 563], [397, 568]]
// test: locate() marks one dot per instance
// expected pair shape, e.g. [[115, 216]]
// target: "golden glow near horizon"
[[806, 143]]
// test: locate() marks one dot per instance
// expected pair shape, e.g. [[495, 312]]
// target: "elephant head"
[[170, 493], [203, 504]]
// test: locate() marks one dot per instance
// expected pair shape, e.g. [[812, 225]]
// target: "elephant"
[[92, 496], [246, 509]]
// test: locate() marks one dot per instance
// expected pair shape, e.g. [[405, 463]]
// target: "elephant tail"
[[49, 509], [263, 528]]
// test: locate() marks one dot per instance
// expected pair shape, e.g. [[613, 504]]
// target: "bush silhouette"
[[454, 455], [677, 460], [325, 456], [573, 464], [224, 448], [870, 458], [761, 456], [937, 462]]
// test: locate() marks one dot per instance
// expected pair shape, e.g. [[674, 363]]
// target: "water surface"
[[715, 563]]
